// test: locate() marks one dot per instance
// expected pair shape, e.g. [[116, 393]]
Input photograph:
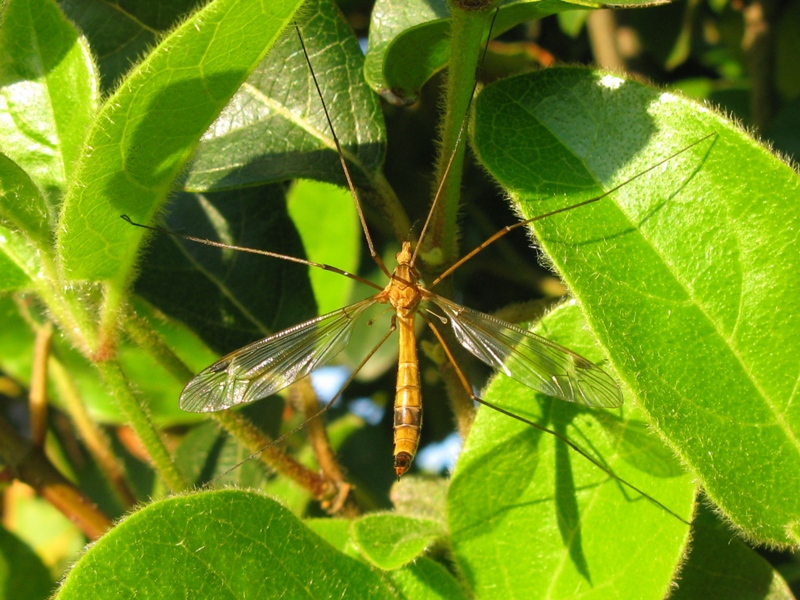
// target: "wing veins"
[[530, 359], [272, 363]]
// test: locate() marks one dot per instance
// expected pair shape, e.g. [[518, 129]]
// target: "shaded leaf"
[[426, 578], [23, 575], [23, 209], [391, 541], [121, 34], [718, 561], [274, 127], [229, 298]]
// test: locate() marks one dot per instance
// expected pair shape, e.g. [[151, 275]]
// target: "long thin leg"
[[293, 259], [375, 256], [510, 228]]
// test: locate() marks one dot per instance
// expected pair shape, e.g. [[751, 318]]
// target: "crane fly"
[[269, 365]]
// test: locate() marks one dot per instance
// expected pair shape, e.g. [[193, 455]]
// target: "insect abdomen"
[[407, 403]]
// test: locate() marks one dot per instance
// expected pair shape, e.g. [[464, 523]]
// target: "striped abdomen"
[[408, 400]]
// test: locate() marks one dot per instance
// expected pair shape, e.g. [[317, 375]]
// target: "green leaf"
[[22, 207], [326, 220], [215, 544], [528, 514], [572, 22], [22, 573], [391, 541], [48, 89], [421, 496], [18, 265], [146, 131], [274, 128], [423, 578], [686, 275], [334, 531], [16, 343], [24, 227]]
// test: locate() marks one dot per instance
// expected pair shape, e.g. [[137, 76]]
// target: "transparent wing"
[[531, 359], [266, 366]]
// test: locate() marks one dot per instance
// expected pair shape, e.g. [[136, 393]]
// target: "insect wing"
[[269, 365], [531, 359]]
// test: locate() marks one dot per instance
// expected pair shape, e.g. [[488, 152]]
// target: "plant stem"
[[384, 199], [93, 436], [467, 30], [138, 419], [151, 342], [31, 466], [259, 443], [38, 392], [113, 300]]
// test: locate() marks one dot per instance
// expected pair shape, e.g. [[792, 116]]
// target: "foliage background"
[[740, 57]]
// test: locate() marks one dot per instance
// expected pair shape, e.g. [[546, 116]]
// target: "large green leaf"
[[686, 275], [528, 514], [217, 544], [147, 129]]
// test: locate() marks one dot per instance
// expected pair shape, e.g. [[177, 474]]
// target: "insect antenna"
[[215, 244]]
